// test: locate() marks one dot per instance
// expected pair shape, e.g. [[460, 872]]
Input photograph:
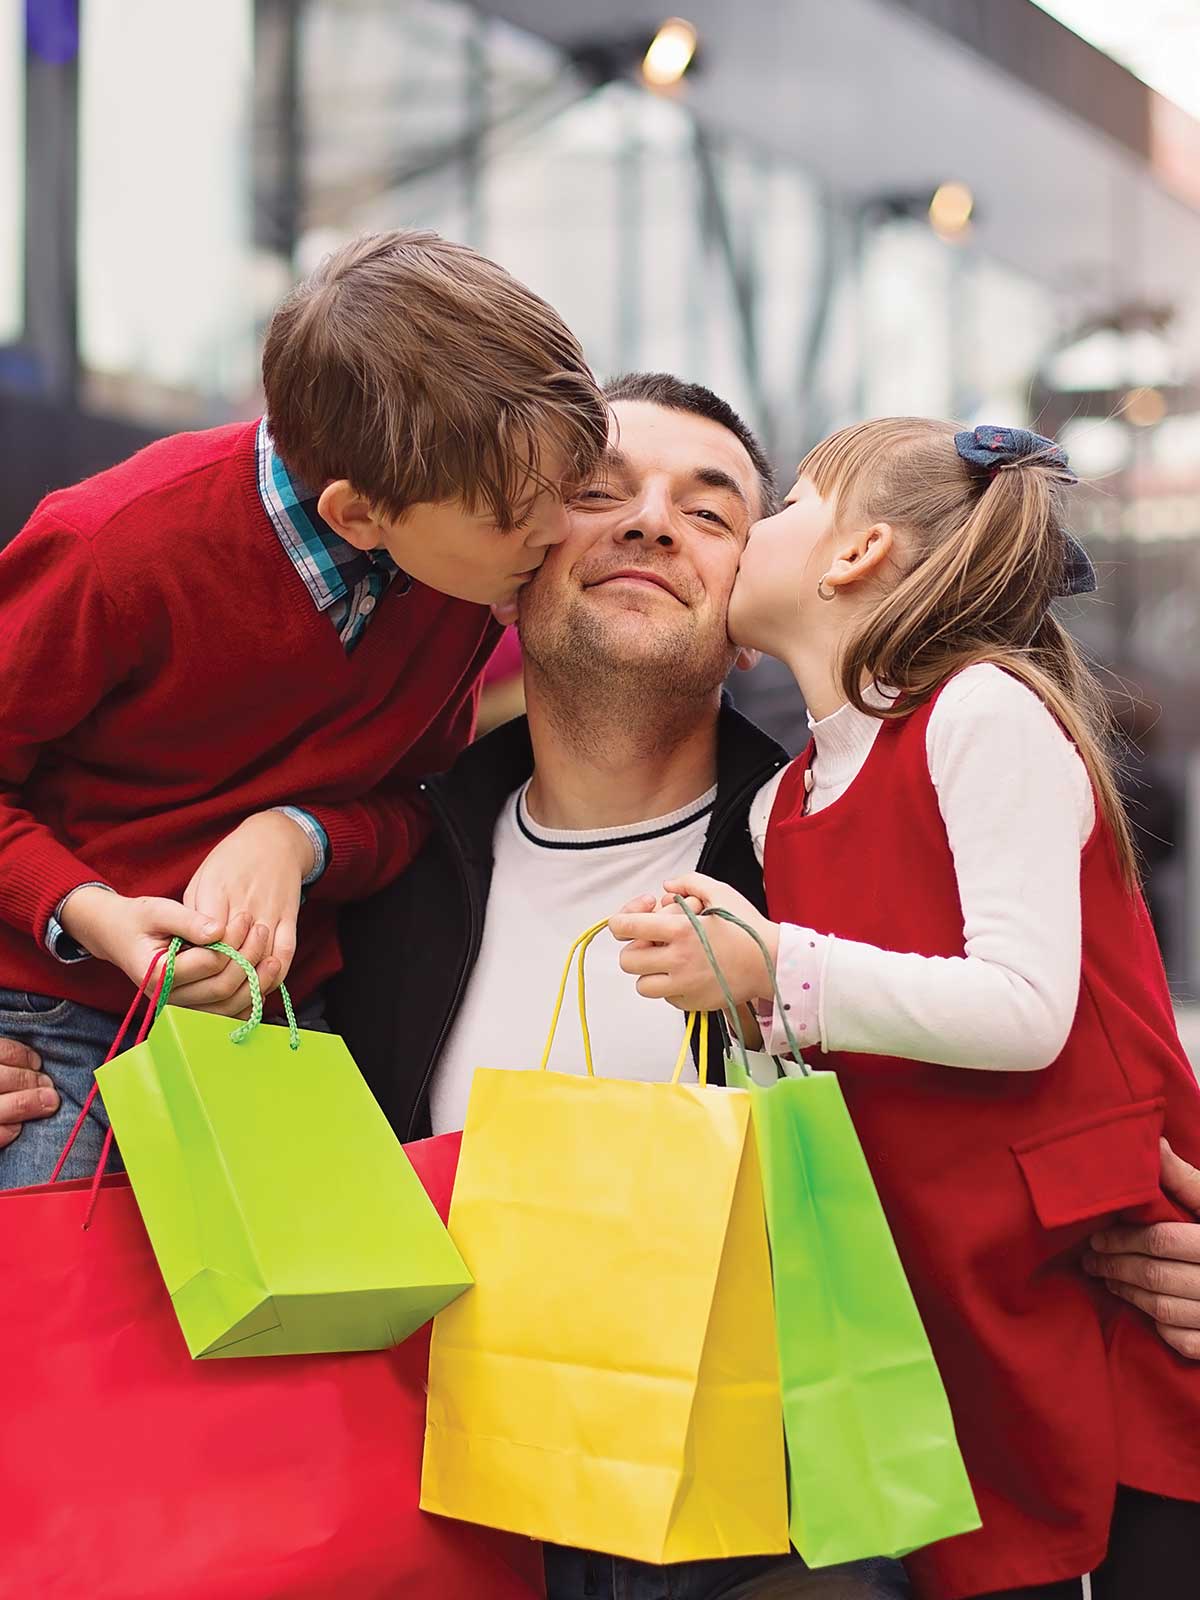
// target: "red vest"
[[993, 1181]]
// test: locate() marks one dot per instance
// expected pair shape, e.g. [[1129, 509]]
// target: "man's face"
[[642, 580]]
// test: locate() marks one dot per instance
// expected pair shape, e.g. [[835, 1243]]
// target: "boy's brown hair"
[[421, 371]]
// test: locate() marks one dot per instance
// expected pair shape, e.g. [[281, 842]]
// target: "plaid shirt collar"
[[331, 568]]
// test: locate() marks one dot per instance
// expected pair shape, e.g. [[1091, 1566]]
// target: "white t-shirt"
[[548, 885]]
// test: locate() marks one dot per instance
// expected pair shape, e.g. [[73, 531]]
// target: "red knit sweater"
[[164, 673]]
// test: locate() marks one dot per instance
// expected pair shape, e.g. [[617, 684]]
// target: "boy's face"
[[449, 548]]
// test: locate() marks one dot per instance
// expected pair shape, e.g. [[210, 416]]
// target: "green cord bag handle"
[[734, 1018], [244, 1029]]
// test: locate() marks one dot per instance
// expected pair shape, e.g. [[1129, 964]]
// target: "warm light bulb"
[[1144, 407], [670, 53], [950, 210]]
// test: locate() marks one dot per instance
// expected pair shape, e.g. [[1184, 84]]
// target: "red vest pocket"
[[1094, 1165]]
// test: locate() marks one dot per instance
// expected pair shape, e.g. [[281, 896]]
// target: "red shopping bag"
[[130, 1472]]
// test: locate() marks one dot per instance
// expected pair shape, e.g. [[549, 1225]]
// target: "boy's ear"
[[349, 515], [860, 555], [746, 660]]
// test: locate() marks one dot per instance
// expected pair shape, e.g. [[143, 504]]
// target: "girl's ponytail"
[[985, 555]]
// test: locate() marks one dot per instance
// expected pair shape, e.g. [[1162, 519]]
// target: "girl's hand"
[[663, 952]]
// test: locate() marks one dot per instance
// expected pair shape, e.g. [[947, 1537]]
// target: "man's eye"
[[711, 516], [595, 494]]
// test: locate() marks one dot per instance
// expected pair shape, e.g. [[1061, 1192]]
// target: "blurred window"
[[165, 302]]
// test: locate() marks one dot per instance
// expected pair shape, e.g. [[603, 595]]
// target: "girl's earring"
[[821, 590]]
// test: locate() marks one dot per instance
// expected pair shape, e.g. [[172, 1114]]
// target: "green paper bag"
[[874, 1467], [285, 1216]]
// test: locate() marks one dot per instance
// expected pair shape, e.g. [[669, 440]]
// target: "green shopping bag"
[[874, 1467], [285, 1216]]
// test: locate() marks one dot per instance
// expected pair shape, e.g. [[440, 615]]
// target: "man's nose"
[[648, 523]]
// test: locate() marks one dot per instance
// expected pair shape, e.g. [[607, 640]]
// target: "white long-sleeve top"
[[1018, 807]]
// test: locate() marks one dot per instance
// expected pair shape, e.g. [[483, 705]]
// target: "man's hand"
[[663, 952], [129, 931], [1157, 1268], [26, 1093], [250, 883]]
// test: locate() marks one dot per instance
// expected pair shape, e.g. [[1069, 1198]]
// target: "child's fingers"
[[210, 900], [655, 927], [178, 921], [239, 1003], [694, 905], [641, 958], [657, 986], [196, 966], [217, 992], [695, 886], [640, 902], [200, 965], [283, 946]]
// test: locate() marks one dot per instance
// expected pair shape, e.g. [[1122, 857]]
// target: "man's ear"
[[860, 555], [746, 660], [350, 515]]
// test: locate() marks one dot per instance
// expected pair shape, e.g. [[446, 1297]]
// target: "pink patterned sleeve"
[[800, 968]]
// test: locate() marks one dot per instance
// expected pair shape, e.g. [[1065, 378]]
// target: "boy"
[[225, 662]]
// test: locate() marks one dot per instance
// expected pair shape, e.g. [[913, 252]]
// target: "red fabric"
[[130, 1472], [164, 673], [993, 1181]]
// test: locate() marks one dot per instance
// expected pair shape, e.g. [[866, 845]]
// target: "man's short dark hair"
[[673, 394]]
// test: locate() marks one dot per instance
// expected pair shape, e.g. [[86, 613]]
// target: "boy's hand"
[[664, 953], [251, 883], [130, 930]]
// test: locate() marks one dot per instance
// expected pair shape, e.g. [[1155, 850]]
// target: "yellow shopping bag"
[[612, 1381]]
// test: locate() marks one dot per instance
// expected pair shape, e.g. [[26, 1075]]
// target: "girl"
[[959, 933]]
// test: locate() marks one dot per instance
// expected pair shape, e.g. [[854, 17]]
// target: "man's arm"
[[1157, 1268]]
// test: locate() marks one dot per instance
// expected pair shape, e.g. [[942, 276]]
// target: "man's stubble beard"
[[596, 692]]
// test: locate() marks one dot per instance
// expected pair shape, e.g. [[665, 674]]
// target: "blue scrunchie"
[[991, 447]]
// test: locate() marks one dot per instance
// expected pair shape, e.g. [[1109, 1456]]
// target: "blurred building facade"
[[763, 226]]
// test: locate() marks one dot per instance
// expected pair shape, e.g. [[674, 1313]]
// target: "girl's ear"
[[745, 659], [860, 555]]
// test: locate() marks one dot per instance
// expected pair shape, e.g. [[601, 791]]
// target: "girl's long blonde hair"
[[983, 555]]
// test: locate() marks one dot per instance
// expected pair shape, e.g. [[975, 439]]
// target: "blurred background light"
[[950, 210], [671, 53], [1144, 407]]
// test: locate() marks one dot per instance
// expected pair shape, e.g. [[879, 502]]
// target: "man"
[[628, 768], [627, 763]]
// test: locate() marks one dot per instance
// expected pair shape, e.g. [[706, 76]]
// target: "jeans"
[[579, 1575], [72, 1041]]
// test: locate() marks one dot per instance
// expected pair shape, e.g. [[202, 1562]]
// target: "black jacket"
[[409, 950]]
